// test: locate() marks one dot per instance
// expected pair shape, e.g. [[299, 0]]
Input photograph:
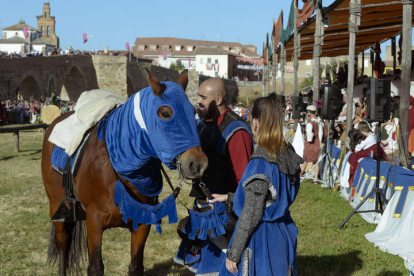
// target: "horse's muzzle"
[[193, 163]]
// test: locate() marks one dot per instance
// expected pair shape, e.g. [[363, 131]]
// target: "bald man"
[[228, 144]]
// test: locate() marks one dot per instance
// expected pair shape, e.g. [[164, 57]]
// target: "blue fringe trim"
[[144, 213], [215, 220]]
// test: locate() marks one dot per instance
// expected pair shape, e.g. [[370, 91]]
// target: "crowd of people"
[[362, 136], [29, 111], [54, 52]]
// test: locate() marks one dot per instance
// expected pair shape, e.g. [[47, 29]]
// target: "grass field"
[[24, 227]]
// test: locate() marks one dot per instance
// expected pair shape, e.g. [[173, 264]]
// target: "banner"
[[277, 30], [25, 32], [127, 46], [214, 66], [308, 8], [164, 55], [85, 38]]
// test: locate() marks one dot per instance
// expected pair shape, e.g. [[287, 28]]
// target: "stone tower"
[[46, 25]]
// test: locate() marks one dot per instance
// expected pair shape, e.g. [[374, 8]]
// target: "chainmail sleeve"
[[253, 209]]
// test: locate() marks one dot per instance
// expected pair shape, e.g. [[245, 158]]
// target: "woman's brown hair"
[[268, 111]]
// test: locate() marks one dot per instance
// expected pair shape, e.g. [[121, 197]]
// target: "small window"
[[48, 31], [165, 48], [308, 74], [189, 48], [45, 14], [178, 48], [216, 61], [209, 60], [366, 63], [141, 47], [153, 47], [16, 33], [308, 62], [201, 60], [43, 31]]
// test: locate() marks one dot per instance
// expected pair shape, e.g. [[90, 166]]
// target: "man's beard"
[[202, 113]]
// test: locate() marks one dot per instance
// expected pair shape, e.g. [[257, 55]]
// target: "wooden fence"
[[15, 131]]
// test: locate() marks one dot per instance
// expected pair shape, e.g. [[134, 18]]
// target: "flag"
[[189, 63], [85, 37], [127, 46], [25, 32], [214, 66], [164, 55]]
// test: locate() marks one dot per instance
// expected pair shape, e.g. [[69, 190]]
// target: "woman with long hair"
[[264, 242]]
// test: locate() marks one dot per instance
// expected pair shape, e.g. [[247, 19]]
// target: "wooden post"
[[282, 69], [268, 76], [355, 11], [394, 54], [16, 141], [405, 80], [274, 70], [363, 63], [317, 55], [295, 53], [263, 79]]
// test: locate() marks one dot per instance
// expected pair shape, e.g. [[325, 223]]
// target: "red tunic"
[[239, 149]]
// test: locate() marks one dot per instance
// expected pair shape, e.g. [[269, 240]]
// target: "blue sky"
[[112, 23]]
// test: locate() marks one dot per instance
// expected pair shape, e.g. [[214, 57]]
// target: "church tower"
[[46, 25]]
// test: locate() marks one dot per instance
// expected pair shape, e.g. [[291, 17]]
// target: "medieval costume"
[[315, 131], [265, 239], [228, 144]]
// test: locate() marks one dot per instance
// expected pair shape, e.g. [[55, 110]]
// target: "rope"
[[316, 51]]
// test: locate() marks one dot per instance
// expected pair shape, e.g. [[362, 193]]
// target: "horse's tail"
[[76, 255]]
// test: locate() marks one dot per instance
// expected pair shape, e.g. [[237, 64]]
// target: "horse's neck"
[[124, 125]]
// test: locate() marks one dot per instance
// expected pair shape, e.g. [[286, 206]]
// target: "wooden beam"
[[317, 55], [16, 141], [354, 23], [372, 5], [295, 54], [25, 127], [282, 65], [405, 80]]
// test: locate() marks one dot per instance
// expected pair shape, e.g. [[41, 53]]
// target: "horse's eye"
[[165, 112]]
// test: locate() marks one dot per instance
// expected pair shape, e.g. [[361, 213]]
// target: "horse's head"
[[169, 119]]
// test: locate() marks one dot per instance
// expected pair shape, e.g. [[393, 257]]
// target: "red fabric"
[[4, 115], [239, 149], [411, 120], [354, 157]]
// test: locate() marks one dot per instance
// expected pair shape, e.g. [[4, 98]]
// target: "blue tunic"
[[271, 250]]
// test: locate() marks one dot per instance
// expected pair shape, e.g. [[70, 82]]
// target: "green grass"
[[24, 227]]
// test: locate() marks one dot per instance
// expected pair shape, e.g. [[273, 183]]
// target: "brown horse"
[[95, 188]]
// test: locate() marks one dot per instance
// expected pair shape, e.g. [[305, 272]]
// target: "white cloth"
[[297, 143], [396, 235], [90, 109], [368, 142]]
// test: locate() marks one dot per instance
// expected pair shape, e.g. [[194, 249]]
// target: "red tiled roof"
[[171, 42]]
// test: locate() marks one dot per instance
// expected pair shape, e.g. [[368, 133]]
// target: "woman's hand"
[[231, 266], [218, 198]]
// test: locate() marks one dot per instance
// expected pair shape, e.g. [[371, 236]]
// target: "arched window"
[[43, 31], [48, 30], [45, 14]]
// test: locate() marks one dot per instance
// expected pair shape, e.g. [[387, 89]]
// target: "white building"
[[14, 41]]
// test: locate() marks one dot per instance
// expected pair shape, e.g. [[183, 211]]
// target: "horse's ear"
[[157, 87], [183, 79]]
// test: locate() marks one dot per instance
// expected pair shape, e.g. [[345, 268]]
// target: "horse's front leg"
[[138, 239], [94, 233]]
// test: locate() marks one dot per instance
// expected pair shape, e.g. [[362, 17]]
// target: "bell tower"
[[46, 25]]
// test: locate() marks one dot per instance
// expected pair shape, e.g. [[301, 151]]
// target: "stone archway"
[[29, 87], [130, 87], [74, 84]]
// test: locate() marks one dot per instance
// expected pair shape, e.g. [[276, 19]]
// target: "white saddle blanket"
[[90, 108]]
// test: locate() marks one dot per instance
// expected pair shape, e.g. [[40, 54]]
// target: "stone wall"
[[111, 74], [193, 85], [40, 76], [137, 76]]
